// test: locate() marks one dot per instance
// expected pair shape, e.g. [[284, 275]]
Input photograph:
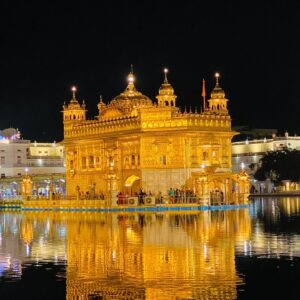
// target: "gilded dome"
[[166, 89], [130, 98], [166, 96], [217, 92], [74, 103]]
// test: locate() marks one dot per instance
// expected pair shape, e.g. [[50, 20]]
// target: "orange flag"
[[203, 89]]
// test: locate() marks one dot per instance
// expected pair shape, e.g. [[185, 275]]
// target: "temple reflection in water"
[[136, 256], [156, 256], [193, 255]]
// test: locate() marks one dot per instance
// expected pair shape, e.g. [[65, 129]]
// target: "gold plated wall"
[[156, 142]]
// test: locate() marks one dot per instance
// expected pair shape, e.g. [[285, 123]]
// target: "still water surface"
[[244, 253]]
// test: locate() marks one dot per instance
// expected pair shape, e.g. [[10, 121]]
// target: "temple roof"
[[217, 92], [127, 101]]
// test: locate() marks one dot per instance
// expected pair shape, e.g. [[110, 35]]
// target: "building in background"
[[44, 162], [248, 133], [247, 154]]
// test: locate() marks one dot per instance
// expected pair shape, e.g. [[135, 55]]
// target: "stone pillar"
[[112, 189], [26, 187]]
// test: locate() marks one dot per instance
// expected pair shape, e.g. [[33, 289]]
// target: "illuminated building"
[[150, 145], [18, 157], [249, 152]]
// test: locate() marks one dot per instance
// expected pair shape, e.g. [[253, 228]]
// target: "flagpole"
[[204, 95]]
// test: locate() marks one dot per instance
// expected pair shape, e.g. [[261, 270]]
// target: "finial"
[[130, 78], [131, 68], [196, 110], [185, 109], [83, 102], [217, 75], [190, 109], [100, 98], [166, 72], [74, 90]]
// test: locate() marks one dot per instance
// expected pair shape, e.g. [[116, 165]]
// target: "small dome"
[[166, 89], [217, 92], [130, 98], [166, 96]]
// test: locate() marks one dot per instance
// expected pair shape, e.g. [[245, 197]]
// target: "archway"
[[132, 184]]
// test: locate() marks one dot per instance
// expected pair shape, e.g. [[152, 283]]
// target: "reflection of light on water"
[[245, 248], [27, 250], [62, 232], [167, 255], [273, 208], [113, 255], [47, 227], [205, 251]]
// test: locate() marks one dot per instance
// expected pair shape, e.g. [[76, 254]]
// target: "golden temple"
[[135, 143]]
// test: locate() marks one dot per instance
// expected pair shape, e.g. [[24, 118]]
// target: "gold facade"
[[149, 144]]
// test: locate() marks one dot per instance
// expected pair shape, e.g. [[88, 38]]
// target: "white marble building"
[[249, 152], [18, 157]]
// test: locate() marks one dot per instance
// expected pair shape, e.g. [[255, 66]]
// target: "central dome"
[[130, 98]]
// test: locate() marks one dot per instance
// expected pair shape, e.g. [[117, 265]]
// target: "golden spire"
[[166, 96], [74, 101], [101, 105], [130, 80], [217, 92], [166, 72], [217, 75], [74, 90]]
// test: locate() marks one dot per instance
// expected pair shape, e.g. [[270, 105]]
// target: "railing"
[[9, 198], [152, 200], [38, 165]]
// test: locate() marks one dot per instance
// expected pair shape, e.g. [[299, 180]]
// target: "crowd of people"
[[173, 196]]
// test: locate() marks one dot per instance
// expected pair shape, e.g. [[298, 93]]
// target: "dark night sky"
[[46, 47]]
